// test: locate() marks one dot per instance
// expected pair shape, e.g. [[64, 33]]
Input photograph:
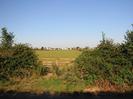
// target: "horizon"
[[66, 23]]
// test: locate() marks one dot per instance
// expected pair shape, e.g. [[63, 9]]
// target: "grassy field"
[[58, 53], [58, 57]]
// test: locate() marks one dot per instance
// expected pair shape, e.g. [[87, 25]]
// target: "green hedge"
[[106, 62], [20, 59]]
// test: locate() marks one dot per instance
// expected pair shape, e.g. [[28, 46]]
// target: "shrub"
[[117, 65], [20, 59], [6, 65], [56, 70], [41, 70], [122, 75], [87, 65], [107, 62], [127, 47], [69, 75], [24, 56], [108, 50]]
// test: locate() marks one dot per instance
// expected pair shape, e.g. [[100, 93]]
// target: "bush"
[[87, 65], [107, 62], [56, 70], [127, 47], [20, 59], [24, 56], [41, 70], [6, 65], [122, 76], [69, 75]]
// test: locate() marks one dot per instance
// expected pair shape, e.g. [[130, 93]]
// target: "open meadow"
[[57, 57]]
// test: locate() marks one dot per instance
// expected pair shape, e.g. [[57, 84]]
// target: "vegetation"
[[108, 61], [108, 66], [57, 57], [58, 54], [127, 47], [6, 39], [15, 60]]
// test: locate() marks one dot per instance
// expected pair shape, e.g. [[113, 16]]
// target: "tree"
[[129, 37], [103, 37], [6, 39], [42, 48], [127, 47], [78, 48], [106, 47]]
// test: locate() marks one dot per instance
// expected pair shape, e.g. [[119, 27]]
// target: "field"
[[58, 57], [50, 82]]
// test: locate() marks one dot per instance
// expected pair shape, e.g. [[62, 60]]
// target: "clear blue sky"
[[66, 23]]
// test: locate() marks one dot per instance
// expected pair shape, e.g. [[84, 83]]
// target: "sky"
[[66, 23]]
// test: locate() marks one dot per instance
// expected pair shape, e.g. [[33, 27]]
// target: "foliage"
[[41, 70], [127, 47], [17, 60], [70, 76], [88, 65], [24, 56], [129, 36], [6, 39], [107, 61], [56, 70]]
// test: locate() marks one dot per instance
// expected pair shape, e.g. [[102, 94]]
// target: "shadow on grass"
[[75, 95]]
